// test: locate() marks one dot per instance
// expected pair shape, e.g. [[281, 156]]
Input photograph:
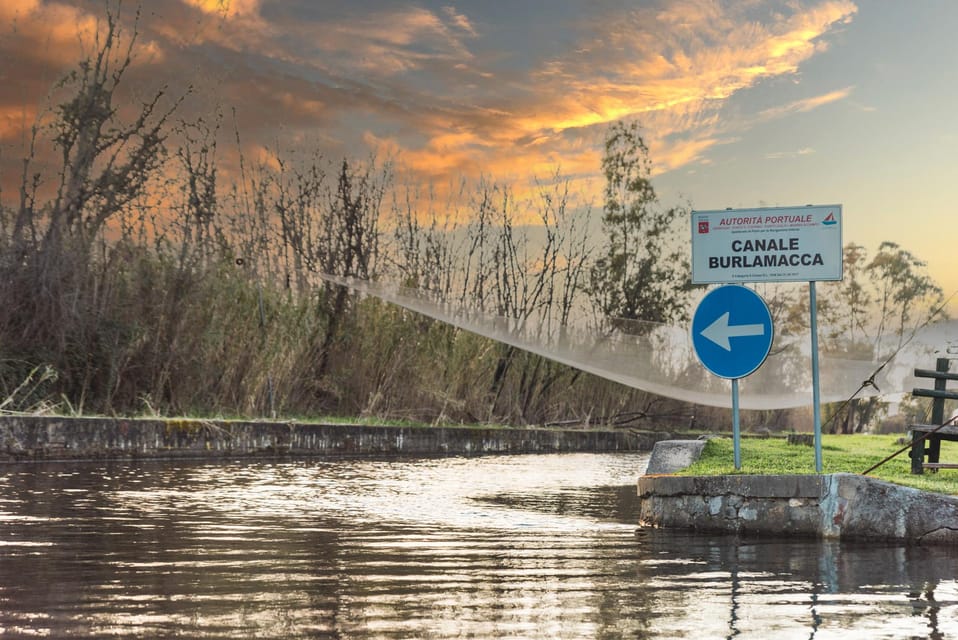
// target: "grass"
[[840, 453]]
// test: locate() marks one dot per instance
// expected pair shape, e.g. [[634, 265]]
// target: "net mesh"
[[660, 358]]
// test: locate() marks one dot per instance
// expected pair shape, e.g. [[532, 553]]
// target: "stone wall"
[[56, 438], [838, 506]]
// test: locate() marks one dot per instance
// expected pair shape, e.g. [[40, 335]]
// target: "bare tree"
[[58, 273], [105, 162]]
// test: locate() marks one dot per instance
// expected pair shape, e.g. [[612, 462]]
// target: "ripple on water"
[[519, 546]]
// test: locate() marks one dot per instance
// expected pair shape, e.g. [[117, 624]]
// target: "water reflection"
[[525, 546]]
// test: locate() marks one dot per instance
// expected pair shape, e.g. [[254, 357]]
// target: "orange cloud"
[[52, 32], [671, 68], [14, 9], [689, 53], [429, 87], [227, 8], [682, 153], [15, 122]]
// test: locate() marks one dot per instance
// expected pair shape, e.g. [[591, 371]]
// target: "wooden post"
[[938, 409], [933, 447]]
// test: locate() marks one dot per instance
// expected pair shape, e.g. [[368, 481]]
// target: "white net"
[[660, 359]]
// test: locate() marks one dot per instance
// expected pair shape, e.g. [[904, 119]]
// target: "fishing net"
[[660, 358]]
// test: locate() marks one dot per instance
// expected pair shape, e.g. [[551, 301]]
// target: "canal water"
[[489, 547]]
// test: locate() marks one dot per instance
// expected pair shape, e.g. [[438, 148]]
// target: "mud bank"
[[841, 506], [56, 438]]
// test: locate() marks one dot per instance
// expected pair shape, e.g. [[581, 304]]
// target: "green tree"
[[643, 275], [907, 296], [874, 311], [848, 314]]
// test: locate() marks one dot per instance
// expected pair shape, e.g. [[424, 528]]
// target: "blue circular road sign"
[[732, 331]]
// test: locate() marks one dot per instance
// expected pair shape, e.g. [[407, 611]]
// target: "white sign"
[[780, 244]]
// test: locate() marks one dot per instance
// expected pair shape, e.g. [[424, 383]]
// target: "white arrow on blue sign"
[[732, 331]]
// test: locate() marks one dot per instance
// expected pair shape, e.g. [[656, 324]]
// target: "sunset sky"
[[743, 103]]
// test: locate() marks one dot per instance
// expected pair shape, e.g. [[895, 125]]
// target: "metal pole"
[[736, 434], [816, 393]]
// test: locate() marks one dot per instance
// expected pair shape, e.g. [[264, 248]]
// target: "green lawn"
[[850, 453]]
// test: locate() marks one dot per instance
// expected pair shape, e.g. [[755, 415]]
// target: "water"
[[495, 547]]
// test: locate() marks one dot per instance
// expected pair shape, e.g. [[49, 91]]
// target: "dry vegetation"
[[135, 280]]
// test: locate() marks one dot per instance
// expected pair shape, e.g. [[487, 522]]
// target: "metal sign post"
[[816, 392], [736, 429]]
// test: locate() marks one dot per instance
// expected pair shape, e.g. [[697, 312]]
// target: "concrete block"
[[669, 456]]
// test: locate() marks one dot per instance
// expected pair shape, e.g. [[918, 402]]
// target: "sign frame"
[[770, 244]]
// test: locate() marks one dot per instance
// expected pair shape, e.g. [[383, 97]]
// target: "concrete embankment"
[[63, 438], [841, 506]]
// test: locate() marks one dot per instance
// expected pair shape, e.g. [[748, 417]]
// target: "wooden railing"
[[926, 438]]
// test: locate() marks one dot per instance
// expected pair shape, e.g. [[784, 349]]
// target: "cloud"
[[13, 9], [230, 9], [53, 32], [680, 57], [434, 86], [15, 122], [683, 152], [673, 66], [460, 21], [383, 42], [805, 104], [38, 44], [788, 155]]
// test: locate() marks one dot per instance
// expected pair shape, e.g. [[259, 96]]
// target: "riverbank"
[[833, 506], [839, 506], [854, 453], [47, 438]]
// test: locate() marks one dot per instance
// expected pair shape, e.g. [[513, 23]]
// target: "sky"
[[743, 103]]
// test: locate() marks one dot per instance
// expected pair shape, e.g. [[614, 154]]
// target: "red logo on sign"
[[703, 226]]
